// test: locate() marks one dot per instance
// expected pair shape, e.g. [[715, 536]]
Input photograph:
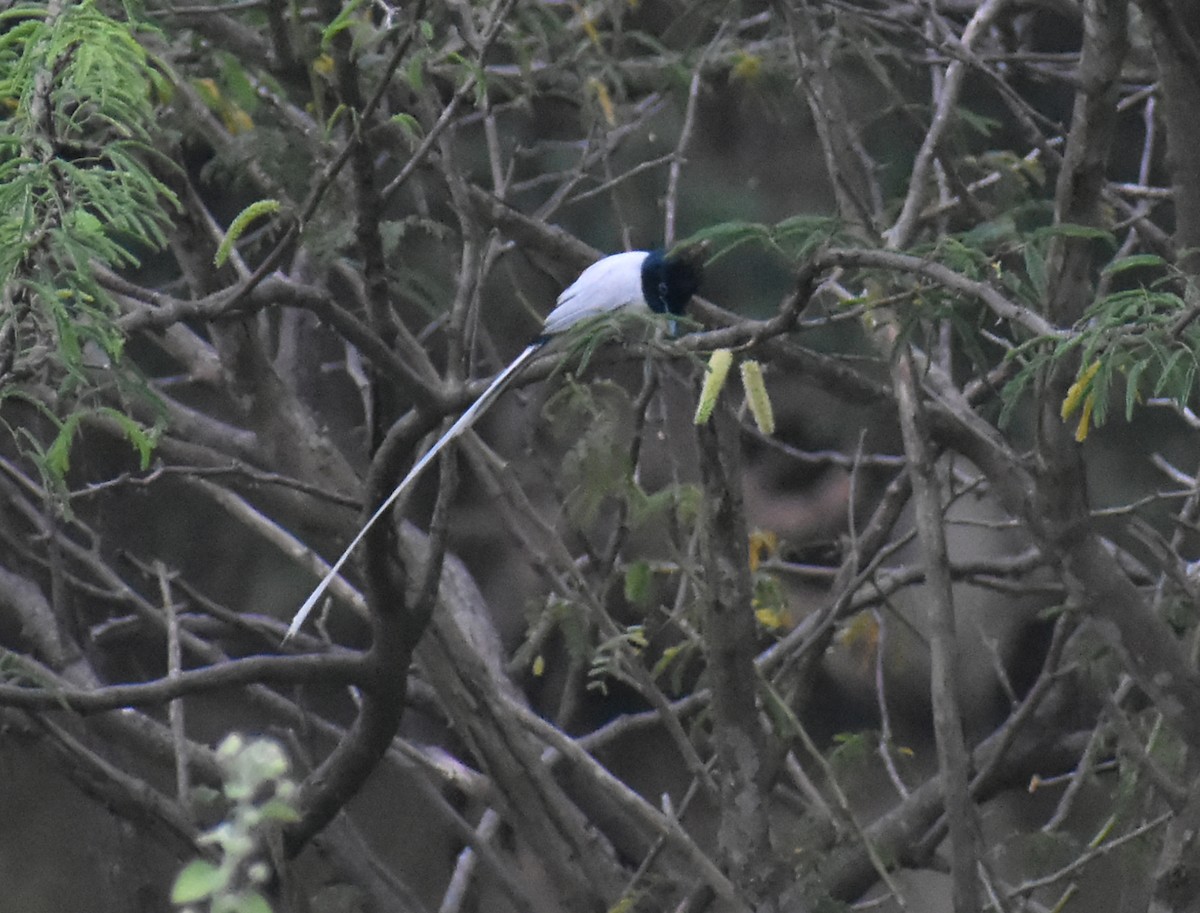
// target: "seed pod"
[[756, 396], [714, 380]]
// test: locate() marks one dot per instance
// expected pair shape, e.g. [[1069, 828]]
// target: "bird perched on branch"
[[656, 281]]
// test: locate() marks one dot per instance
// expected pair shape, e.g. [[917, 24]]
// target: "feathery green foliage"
[[1144, 337], [76, 190]]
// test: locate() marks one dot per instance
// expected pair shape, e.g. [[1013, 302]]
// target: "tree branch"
[[728, 630]]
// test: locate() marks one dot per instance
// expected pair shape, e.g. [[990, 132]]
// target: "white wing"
[[608, 284]]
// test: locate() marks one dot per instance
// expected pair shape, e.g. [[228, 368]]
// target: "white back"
[[607, 285]]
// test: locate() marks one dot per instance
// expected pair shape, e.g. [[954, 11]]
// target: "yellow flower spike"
[[1079, 393], [1075, 394], [604, 99], [757, 398], [209, 93], [718, 370], [1085, 419], [323, 65], [746, 67], [861, 637], [763, 544], [588, 23], [233, 117], [771, 619], [236, 120]]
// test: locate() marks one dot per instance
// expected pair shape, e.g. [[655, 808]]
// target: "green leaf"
[[415, 71], [637, 583], [1132, 381], [342, 21], [278, 810], [1074, 230], [1166, 377], [728, 236], [58, 455], [143, 441], [1188, 382], [335, 118], [1035, 268], [687, 504], [198, 880], [783, 720], [803, 235], [239, 225], [1013, 393], [409, 124], [669, 655], [645, 508], [238, 86], [1137, 261], [1099, 391], [572, 623], [250, 902], [984, 126], [24, 12], [988, 235], [851, 747]]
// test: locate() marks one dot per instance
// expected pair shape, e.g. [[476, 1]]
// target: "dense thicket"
[[925, 637]]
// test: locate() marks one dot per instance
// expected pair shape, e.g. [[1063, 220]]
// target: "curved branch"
[[1002, 307], [256, 670], [396, 631]]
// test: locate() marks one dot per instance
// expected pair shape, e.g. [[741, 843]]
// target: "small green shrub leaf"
[[251, 902], [637, 583], [198, 880], [239, 225]]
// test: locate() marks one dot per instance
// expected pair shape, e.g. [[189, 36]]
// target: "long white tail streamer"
[[465, 421]]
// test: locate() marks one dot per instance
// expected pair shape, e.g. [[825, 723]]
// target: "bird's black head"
[[670, 279]]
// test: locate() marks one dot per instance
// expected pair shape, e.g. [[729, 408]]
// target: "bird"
[[655, 281]]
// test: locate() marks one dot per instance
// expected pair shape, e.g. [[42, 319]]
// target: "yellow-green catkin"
[[756, 396], [1081, 392], [714, 380]]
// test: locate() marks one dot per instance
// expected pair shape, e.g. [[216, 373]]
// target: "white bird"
[[655, 281]]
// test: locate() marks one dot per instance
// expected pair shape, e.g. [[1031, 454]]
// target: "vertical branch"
[[685, 138], [183, 786], [744, 834], [368, 206], [900, 234], [1175, 31], [850, 168], [953, 758], [1078, 197]]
